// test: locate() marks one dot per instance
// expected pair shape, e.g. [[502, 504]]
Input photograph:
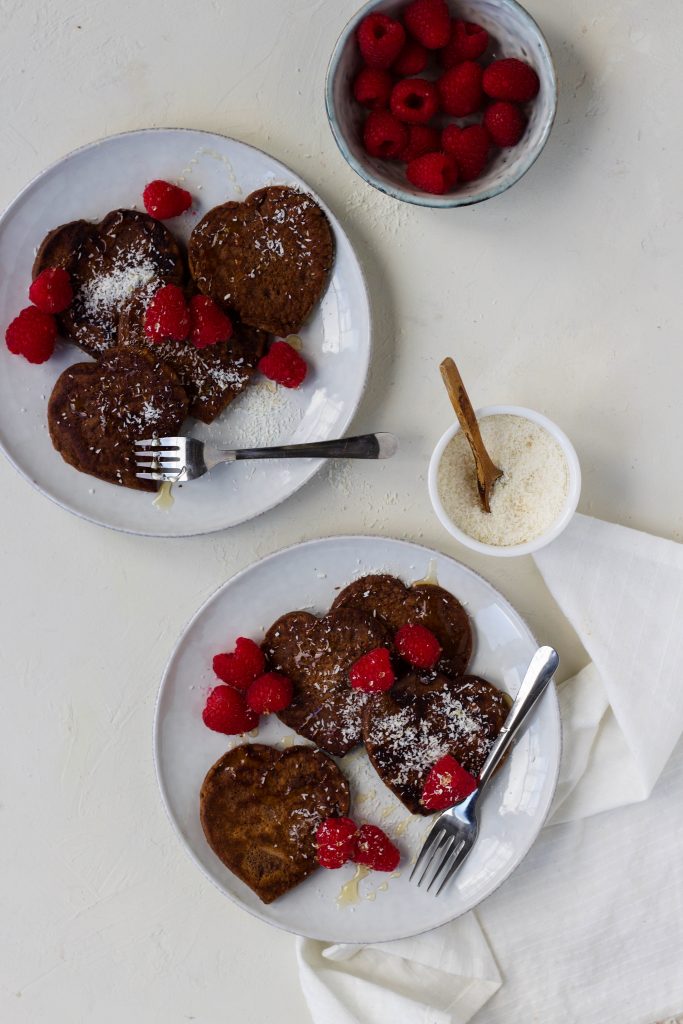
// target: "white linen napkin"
[[590, 927]]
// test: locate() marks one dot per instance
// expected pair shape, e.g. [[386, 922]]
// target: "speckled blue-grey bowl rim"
[[446, 201]]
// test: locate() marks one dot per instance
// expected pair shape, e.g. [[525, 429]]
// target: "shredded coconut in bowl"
[[529, 497]]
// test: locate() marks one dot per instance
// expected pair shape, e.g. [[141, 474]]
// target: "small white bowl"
[[514, 33], [542, 539]]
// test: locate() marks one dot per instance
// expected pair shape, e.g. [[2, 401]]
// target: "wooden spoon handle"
[[487, 471]]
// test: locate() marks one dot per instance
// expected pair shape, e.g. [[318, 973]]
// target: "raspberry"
[[411, 60], [447, 784], [429, 22], [167, 315], [241, 666], [51, 291], [209, 324], [414, 100], [336, 838], [460, 89], [270, 692], [372, 88], [284, 365], [373, 672], [380, 40], [375, 849], [468, 41], [418, 645], [32, 335], [470, 147], [422, 138], [384, 136], [163, 200], [505, 123], [433, 172], [225, 711], [511, 79]]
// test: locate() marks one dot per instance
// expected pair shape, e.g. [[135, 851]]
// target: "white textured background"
[[562, 295]]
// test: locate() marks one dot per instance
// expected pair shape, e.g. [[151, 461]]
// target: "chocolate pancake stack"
[[266, 262], [425, 715]]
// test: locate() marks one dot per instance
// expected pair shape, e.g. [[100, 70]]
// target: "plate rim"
[[258, 912], [316, 464]]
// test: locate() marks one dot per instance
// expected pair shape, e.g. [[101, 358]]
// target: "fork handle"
[[538, 675], [367, 446]]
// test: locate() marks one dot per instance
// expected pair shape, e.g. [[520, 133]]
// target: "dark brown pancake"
[[126, 251], [260, 809], [268, 258], [408, 729], [96, 411], [317, 654], [212, 376], [431, 606]]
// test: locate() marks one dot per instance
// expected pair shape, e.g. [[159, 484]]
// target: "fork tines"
[[158, 458], [442, 851]]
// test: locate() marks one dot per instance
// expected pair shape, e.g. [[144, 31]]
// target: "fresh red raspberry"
[[51, 291], [429, 22], [447, 784], [164, 200], [209, 324], [380, 40], [422, 138], [468, 41], [284, 365], [418, 645], [511, 79], [167, 315], [383, 135], [470, 146], [411, 60], [32, 334], [433, 172], [372, 88], [241, 666], [505, 123], [225, 711], [373, 672], [375, 849], [460, 89], [336, 838], [414, 100], [270, 692]]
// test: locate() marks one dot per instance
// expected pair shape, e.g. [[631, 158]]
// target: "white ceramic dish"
[[110, 174], [514, 33], [309, 575], [568, 510]]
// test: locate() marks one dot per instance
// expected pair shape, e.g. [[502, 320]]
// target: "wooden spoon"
[[487, 472]]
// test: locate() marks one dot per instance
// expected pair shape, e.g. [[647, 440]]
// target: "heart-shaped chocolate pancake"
[[431, 606], [408, 729], [317, 654], [97, 410], [260, 808], [127, 252], [268, 258]]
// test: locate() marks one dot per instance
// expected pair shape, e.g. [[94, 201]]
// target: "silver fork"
[[177, 459], [454, 833]]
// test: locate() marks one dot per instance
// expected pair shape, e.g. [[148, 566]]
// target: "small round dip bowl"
[[538, 541]]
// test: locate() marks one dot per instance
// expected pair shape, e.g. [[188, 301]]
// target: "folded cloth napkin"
[[590, 926]]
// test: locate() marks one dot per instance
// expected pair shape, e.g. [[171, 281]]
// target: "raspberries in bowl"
[[441, 102]]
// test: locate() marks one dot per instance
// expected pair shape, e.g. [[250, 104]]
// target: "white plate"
[[110, 174], [309, 576]]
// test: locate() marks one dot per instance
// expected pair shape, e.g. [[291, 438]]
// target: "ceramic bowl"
[[553, 531], [514, 33]]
